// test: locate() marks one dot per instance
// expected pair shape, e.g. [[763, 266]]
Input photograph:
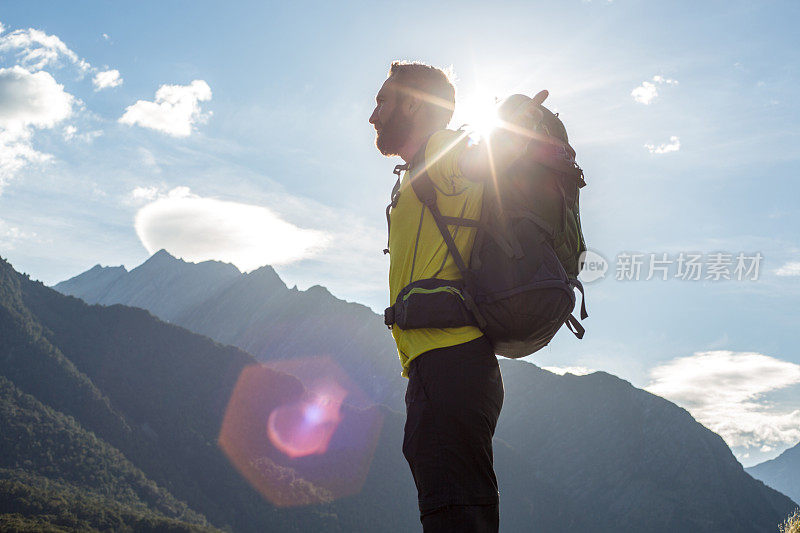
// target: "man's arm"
[[485, 159]]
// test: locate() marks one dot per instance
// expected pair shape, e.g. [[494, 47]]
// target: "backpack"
[[518, 285]]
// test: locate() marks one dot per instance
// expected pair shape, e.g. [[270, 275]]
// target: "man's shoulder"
[[442, 153], [446, 139]]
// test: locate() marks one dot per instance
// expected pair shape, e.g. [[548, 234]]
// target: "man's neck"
[[413, 145]]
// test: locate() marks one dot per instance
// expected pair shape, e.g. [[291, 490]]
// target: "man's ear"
[[412, 104]]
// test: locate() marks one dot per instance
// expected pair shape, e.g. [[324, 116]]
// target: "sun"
[[478, 112]]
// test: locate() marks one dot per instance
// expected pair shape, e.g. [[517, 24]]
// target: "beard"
[[393, 133]]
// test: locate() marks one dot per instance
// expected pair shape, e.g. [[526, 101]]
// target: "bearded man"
[[455, 391]]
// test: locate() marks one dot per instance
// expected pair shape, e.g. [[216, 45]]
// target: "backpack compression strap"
[[572, 323]]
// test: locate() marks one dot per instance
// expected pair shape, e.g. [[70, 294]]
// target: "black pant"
[[453, 400]]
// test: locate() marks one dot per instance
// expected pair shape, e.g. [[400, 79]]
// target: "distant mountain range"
[[781, 473], [255, 312], [125, 412]]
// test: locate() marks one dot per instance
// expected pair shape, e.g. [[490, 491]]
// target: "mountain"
[[157, 397], [163, 285], [124, 411], [781, 473], [256, 312], [50, 465], [573, 453], [629, 459]]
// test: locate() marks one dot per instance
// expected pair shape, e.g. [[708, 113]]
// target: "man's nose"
[[373, 118]]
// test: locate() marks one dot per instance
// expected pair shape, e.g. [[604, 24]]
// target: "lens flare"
[[300, 431], [306, 427]]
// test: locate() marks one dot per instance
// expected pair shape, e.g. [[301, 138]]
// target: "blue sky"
[[240, 133]]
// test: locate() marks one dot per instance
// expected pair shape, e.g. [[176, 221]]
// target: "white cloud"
[[648, 91], [726, 391], [175, 110], [69, 132], [106, 79], [36, 50], [673, 145], [32, 99], [789, 269], [575, 370], [662, 79], [27, 101], [145, 193], [199, 229], [645, 93], [16, 151]]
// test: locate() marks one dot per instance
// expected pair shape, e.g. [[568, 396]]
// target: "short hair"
[[431, 84]]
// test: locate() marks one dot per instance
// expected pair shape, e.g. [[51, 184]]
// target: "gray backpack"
[[518, 286]]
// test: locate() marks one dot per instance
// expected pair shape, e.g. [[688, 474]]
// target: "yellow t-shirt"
[[416, 247]]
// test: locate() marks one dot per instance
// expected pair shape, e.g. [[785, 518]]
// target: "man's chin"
[[383, 149]]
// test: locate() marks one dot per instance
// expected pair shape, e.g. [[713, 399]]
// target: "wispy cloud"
[[648, 90], [69, 132], [28, 101], [174, 111], [106, 79], [673, 145], [199, 229], [148, 159], [791, 268], [145, 193], [35, 50], [662, 79], [726, 391], [11, 235], [574, 370]]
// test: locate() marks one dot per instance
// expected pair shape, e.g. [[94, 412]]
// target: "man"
[[455, 390]]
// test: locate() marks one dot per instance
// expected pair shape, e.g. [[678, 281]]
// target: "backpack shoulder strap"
[[426, 192], [423, 187], [393, 203]]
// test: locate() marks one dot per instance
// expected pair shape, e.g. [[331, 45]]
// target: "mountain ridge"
[[627, 459], [781, 473], [257, 312], [171, 388]]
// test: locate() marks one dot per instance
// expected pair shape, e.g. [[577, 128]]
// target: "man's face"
[[392, 124]]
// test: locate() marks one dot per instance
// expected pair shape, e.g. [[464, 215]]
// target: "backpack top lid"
[[547, 139], [515, 110]]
